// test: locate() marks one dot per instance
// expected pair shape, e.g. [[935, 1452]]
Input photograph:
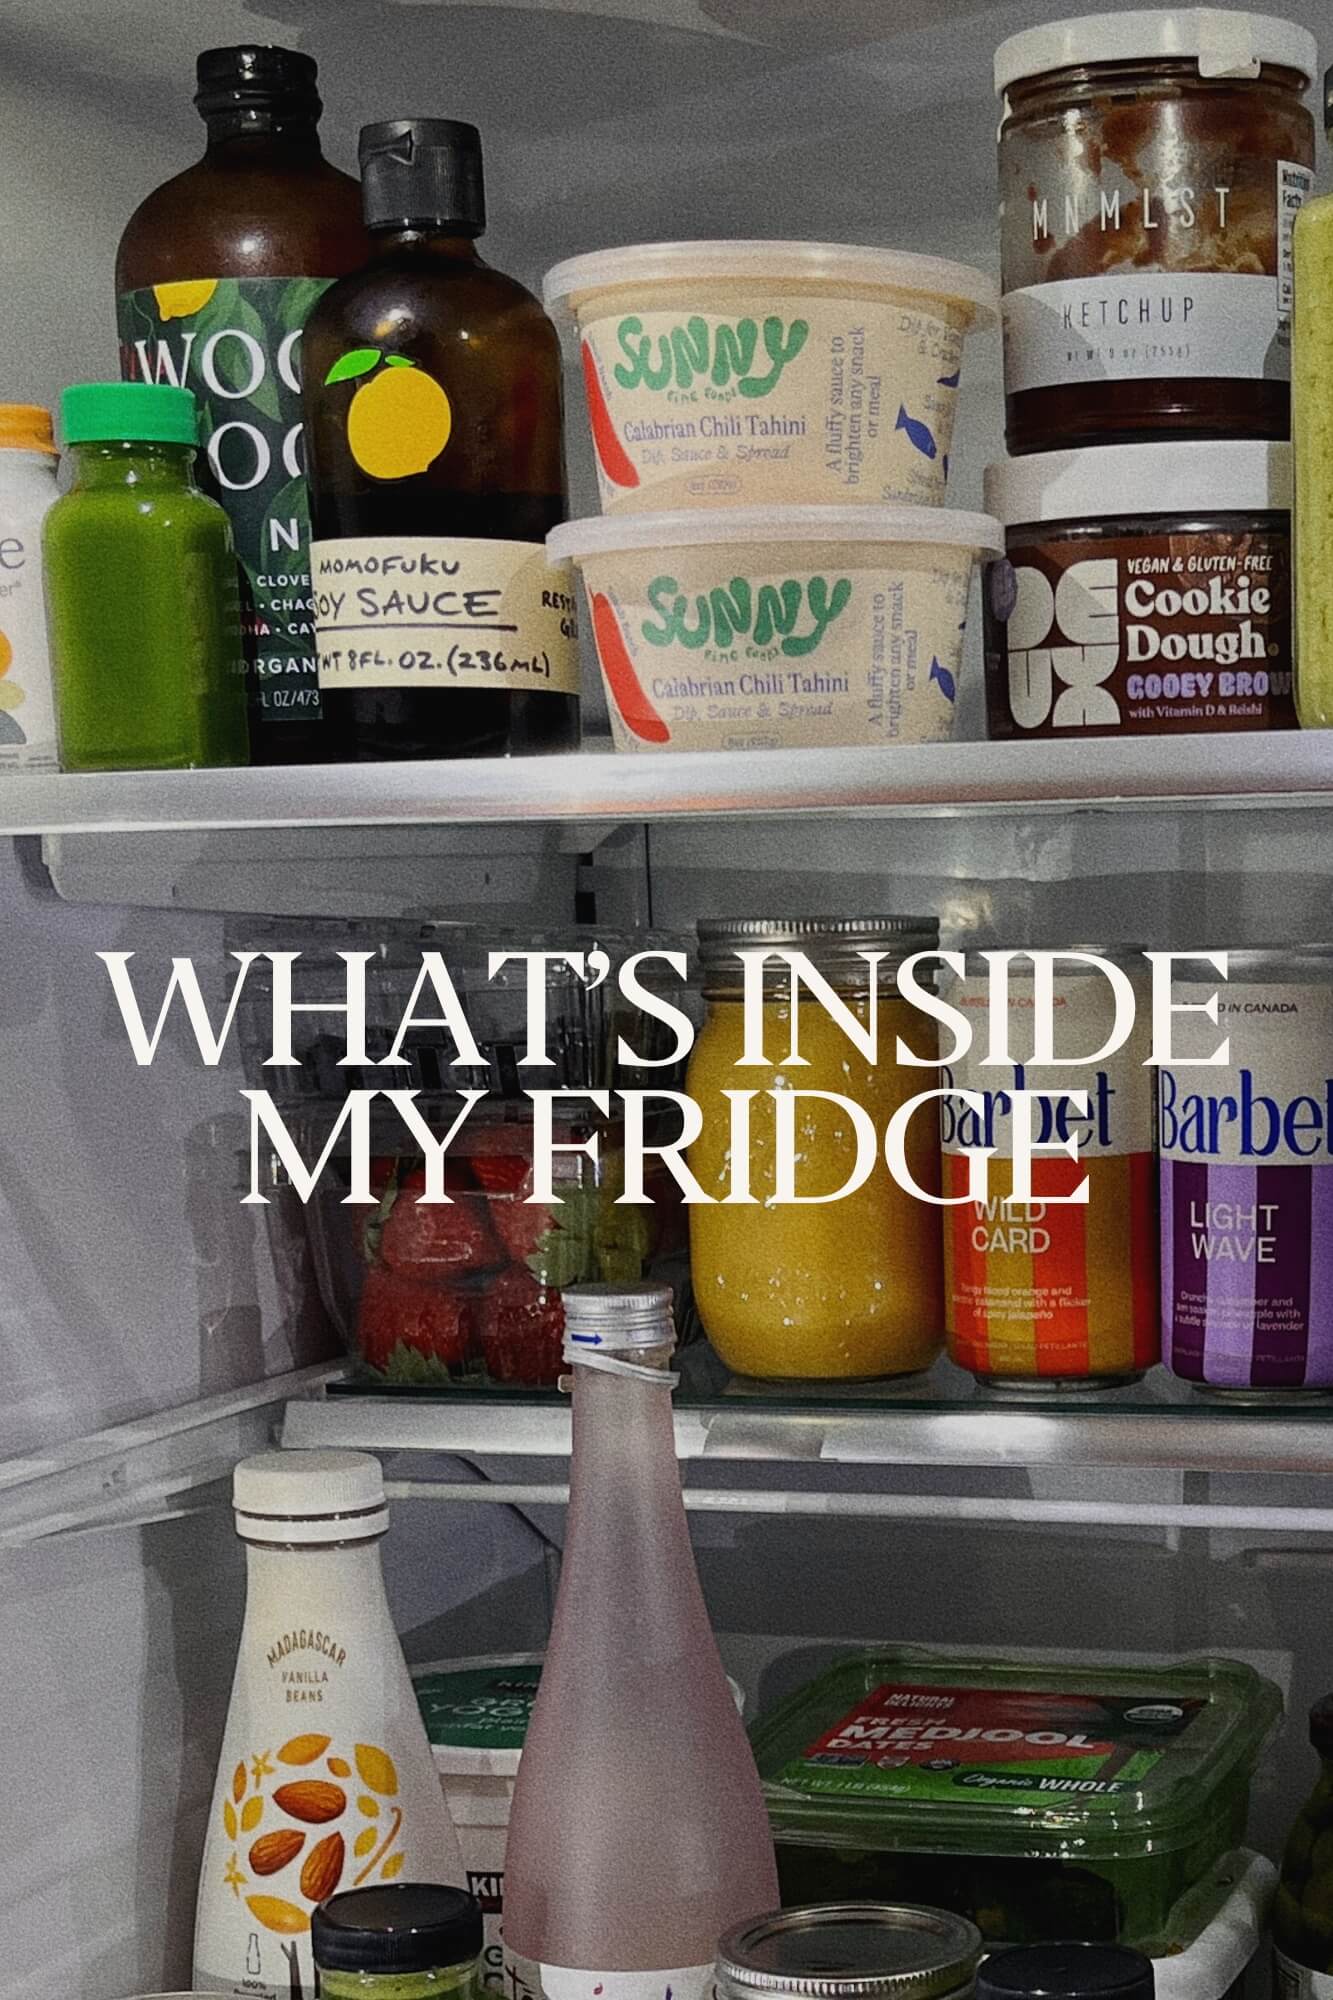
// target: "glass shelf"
[[1132, 774], [942, 1419]]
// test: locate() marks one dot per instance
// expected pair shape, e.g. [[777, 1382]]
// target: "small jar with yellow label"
[[810, 1289]]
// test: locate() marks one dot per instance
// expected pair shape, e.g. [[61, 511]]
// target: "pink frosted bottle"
[[638, 1832]]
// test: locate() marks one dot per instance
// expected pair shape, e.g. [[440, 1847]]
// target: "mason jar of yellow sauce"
[[839, 1290]]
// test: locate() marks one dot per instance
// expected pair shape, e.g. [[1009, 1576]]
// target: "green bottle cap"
[[151, 412]]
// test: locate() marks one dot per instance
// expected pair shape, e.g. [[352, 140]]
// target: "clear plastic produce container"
[[1043, 1801]]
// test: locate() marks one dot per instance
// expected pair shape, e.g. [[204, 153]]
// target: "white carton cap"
[[605, 535], [1108, 482], [1223, 43], [300, 1498]]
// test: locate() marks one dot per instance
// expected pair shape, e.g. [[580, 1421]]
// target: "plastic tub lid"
[[615, 534], [1224, 43], [852, 264], [902, 1749], [1108, 481]]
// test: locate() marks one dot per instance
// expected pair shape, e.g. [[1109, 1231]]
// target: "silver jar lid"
[[850, 1951], [611, 1319], [831, 943]]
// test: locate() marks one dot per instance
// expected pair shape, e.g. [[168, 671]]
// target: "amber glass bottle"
[[216, 273], [432, 401]]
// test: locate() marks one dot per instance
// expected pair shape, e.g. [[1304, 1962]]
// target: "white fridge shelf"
[[1142, 1460], [144, 1471], [1154, 1427], [915, 779]]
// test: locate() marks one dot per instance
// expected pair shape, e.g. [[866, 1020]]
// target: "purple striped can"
[[1247, 1177]]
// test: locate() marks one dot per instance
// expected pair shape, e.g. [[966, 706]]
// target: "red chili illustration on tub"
[[614, 460], [636, 710]]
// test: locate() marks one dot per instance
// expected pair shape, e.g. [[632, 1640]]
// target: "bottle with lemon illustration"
[[433, 433], [326, 1781], [216, 273], [27, 490]]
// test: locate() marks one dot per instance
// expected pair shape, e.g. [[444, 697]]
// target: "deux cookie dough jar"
[[1151, 169]]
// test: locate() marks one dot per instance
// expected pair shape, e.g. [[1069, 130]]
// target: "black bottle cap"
[[409, 1927], [1067, 1972], [422, 173], [1321, 1725], [255, 77]]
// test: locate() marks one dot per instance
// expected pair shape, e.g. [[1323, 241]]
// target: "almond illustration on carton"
[[303, 1749], [323, 1869], [311, 1799], [274, 1850]]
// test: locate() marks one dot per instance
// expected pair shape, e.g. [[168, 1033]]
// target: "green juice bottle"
[[408, 1941], [141, 600]]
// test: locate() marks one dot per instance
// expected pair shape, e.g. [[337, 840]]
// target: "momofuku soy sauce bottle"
[[216, 273], [433, 427]]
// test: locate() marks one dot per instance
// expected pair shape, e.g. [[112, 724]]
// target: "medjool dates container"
[[1040, 1799], [1151, 169]]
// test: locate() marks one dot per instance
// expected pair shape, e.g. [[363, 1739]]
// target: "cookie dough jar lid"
[[1219, 42], [1199, 478]]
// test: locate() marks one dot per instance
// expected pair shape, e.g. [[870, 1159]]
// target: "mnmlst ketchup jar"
[[1151, 169]]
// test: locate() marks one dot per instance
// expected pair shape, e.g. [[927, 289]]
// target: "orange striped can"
[[1050, 1291]]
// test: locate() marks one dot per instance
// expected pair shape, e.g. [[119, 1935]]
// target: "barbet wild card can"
[[1052, 1290], [1247, 1176]]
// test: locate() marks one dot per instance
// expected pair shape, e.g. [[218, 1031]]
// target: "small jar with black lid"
[[1074, 1971], [407, 1941], [1152, 165]]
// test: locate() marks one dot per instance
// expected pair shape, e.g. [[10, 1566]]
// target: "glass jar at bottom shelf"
[[408, 1941]]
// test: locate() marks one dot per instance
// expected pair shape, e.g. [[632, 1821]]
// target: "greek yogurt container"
[[770, 628], [724, 374]]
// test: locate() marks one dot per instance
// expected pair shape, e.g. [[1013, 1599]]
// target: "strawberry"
[[502, 1173], [522, 1329], [499, 1156], [428, 1240], [400, 1319]]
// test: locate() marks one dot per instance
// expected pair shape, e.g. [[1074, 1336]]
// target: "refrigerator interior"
[[135, 1282]]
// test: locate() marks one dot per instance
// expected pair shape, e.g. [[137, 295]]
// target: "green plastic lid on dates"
[[132, 412], [910, 1749]]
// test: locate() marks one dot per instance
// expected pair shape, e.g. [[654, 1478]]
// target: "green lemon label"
[[236, 342]]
